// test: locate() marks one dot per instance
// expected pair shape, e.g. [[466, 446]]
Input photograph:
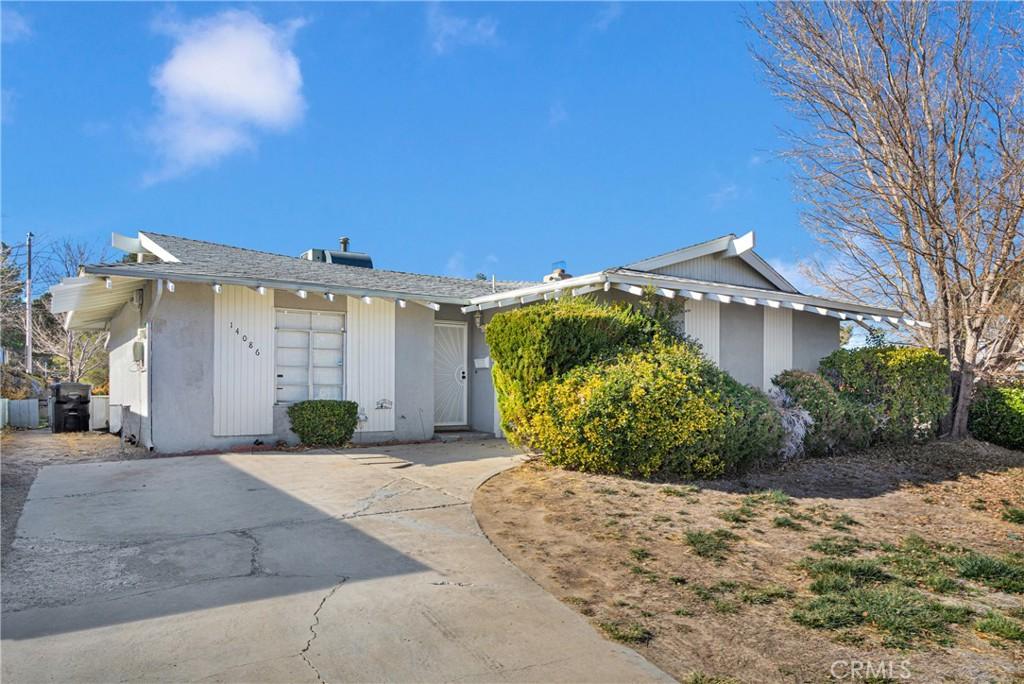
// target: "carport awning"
[[90, 301]]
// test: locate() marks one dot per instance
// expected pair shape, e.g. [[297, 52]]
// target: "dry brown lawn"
[[625, 553]]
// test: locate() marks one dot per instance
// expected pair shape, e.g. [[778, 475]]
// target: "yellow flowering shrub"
[[660, 410]]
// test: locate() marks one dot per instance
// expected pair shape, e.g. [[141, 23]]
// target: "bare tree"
[[909, 159], [73, 355], [76, 354]]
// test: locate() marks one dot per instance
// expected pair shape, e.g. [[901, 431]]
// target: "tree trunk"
[[965, 389]]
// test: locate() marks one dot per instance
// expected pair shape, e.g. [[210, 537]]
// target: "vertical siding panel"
[[701, 322], [716, 269], [241, 404], [370, 361], [778, 343]]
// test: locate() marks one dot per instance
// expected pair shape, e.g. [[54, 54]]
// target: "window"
[[309, 355]]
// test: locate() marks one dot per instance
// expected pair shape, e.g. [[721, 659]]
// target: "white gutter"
[[667, 286], [294, 286], [514, 296]]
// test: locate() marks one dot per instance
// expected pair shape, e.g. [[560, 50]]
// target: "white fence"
[[21, 413]]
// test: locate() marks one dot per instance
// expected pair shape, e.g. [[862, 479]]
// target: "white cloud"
[[227, 77], [456, 265], [557, 114], [606, 16], [15, 26], [447, 31], [723, 195]]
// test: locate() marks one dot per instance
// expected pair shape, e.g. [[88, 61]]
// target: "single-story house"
[[209, 344]]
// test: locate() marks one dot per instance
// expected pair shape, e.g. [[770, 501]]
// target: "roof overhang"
[[671, 287], [91, 302], [287, 285]]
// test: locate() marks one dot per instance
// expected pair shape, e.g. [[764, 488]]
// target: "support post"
[[28, 307]]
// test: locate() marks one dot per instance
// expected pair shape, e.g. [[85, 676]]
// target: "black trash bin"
[[70, 407]]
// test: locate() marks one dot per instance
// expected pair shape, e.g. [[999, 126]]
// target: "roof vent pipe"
[[344, 244]]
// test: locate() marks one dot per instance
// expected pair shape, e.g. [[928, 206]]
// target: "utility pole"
[[28, 309]]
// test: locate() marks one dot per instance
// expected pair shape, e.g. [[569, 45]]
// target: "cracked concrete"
[[365, 565], [312, 630]]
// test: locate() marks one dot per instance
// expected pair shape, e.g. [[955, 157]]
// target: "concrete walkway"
[[362, 566]]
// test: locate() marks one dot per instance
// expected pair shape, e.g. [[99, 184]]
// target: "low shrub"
[[663, 409], [534, 344], [839, 423], [997, 416], [324, 422], [906, 388]]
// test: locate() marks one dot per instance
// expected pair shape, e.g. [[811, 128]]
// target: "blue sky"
[[451, 138]]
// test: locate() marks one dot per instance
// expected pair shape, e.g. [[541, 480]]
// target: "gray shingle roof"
[[209, 260]]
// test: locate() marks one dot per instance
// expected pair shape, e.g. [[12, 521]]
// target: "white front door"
[[450, 378]]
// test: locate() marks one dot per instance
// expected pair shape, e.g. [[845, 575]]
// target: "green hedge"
[[661, 410], [839, 423], [324, 422], [533, 344], [907, 388], [997, 415]]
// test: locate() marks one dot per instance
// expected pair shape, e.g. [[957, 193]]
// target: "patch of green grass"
[[725, 607], [1005, 574], [701, 678], [714, 544], [684, 491], [706, 592], [837, 546], [840, 575], [903, 615], [640, 554], [606, 490], [765, 595], [843, 522], [661, 518], [1014, 515], [715, 595], [640, 570], [676, 579], [941, 584], [1001, 626], [683, 612], [978, 505], [788, 523], [632, 633], [916, 561], [771, 496], [739, 516]]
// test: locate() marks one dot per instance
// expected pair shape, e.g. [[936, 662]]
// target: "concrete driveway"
[[361, 566]]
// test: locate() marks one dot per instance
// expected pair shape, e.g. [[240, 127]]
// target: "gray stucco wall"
[[414, 373], [741, 342], [481, 388], [814, 337], [126, 381], [182, 367]]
